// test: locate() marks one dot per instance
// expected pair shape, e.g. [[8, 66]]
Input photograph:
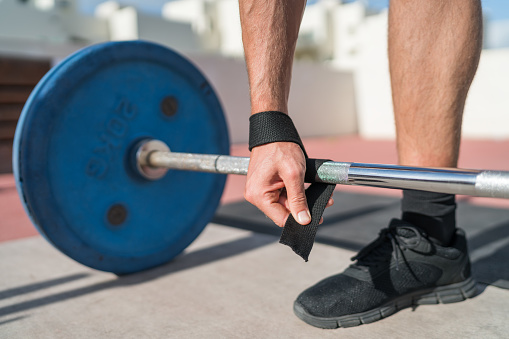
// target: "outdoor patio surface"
[[237, 282]]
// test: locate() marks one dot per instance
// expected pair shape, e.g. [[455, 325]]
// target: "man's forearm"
[[269, 33]]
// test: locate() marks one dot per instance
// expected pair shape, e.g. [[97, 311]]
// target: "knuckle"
[[297, 200], [250, 195], [294, 173]]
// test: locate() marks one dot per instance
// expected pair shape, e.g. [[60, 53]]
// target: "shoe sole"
[[439, 295]]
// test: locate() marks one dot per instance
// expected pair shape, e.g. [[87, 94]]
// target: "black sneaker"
[[400, 269]]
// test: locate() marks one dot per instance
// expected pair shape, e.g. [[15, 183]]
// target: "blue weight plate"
[[71, 160]]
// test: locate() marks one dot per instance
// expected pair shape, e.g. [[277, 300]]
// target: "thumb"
[[297, 201]]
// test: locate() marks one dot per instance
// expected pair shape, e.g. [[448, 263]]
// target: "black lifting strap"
[[273, 126]]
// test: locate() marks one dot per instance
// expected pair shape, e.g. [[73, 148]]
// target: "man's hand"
[[275, 182], [275, 178]]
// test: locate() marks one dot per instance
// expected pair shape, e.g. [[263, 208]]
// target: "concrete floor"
[[230, 283]]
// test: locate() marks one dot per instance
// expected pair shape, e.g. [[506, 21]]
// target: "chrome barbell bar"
[[154, 158]]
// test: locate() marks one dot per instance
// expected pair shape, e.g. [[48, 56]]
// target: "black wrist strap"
[[273, 126]]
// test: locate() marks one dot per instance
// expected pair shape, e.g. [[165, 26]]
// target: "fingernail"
[[304, 217]]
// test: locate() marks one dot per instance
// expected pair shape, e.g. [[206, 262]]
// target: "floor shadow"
[[334, 219], [13, 292], [245, 216], [490, 256], [493, 270], [355, 219], [183, 262], [489, 250]]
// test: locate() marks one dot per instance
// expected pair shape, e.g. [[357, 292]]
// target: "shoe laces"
[[390, 242]]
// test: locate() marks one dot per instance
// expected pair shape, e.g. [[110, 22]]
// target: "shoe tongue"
[[403, 229], [408, 231]]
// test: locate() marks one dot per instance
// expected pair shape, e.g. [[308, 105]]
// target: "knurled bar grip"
[[481, 183]]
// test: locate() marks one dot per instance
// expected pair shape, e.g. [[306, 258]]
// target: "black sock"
[[434, 213]]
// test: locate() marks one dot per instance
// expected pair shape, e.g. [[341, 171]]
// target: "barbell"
[[121, 151], [153, 159]]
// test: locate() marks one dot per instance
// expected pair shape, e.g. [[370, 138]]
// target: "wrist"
[[268, 106], [272, 126]]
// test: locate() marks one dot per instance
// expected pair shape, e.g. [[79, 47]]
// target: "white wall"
[[333, 98], [321, 99], [180, 35], [128, 24], [229, 79], [20, 21], [347, 20], [487, 107], [314, 41], [17, 21], [23, 25], [372, 83], [28, 32], [228, 21], [216, 22], [203, 17]]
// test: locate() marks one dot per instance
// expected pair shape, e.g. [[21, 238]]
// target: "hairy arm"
[[275, 179], [269, 33]]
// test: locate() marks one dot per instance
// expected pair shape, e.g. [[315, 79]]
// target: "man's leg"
[[434, 50]]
